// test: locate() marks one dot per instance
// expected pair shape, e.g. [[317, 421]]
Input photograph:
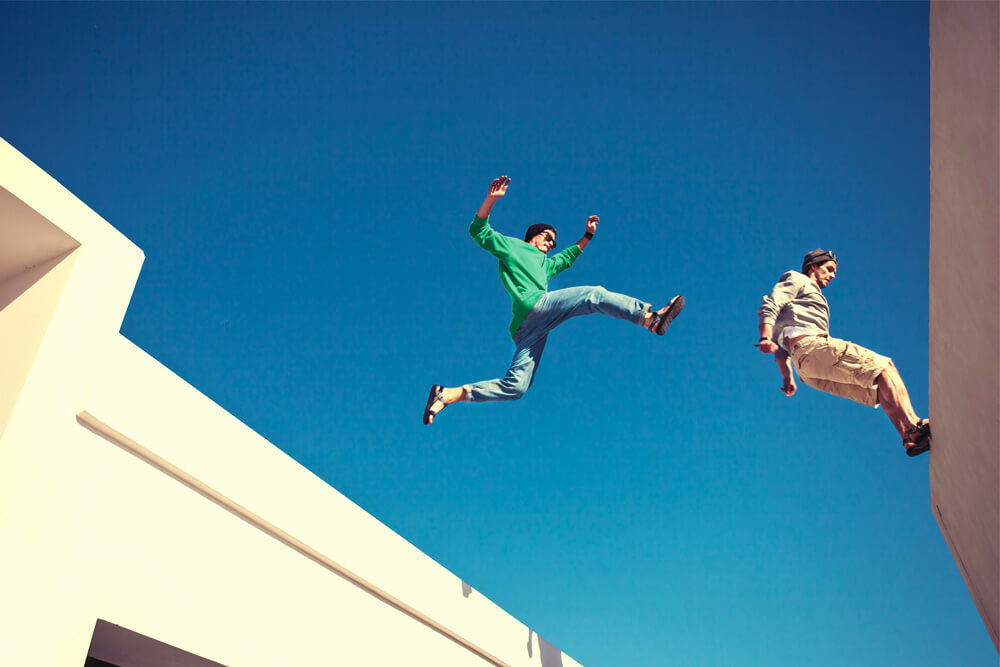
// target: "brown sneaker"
[[662, 318], [918, 438]]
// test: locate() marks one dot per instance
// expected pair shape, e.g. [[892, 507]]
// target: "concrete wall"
[[965, 293], [141, 522]]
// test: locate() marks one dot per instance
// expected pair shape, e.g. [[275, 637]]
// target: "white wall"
[[965, 293], [126, 495]]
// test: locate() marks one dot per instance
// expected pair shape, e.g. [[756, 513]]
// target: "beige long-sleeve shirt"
[[794, 307]]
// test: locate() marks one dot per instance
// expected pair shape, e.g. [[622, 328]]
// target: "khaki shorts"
[[839, 367]]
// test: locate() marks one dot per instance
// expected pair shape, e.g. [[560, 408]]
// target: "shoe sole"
[[430, 402], [674, 309]]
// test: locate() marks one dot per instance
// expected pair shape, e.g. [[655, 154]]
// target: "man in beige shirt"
[[794, 321]]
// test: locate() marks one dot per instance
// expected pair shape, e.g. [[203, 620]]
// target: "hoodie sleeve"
[[562, 260], [488, 239]]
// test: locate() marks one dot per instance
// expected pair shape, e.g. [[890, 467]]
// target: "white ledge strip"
[[100, 428]]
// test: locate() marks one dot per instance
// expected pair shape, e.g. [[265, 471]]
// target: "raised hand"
[[498, 188], [592, 224]]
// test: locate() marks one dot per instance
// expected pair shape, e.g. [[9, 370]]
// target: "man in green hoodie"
[[525, 271]]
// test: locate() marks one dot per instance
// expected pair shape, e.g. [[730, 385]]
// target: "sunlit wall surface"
[[142, 524], [964, 296]]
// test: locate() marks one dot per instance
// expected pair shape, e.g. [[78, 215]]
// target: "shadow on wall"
[[117, 646], [36, 259], [28, 300], [549, 654]]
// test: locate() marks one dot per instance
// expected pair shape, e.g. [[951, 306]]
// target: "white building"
[[964, 366], [127, 535]]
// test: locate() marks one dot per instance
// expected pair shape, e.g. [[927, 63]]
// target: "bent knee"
[[596, 291], [515, 390], [518, 393], [597, 294], [889, 368]]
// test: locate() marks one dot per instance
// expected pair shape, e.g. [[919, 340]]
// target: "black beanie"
[[817, 256], [535, 230]]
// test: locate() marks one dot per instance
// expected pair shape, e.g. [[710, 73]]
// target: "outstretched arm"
[[785, 368], [589, 234], [563, 260], [768, 346], [485, 237], [498, 188]]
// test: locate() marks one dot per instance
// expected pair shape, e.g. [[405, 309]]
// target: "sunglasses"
[[828, 256], [549, 237]]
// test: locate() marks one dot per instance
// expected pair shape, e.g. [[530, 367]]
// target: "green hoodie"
[[524, 269]]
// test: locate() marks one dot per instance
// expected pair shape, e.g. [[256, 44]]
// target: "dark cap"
[[817, 256], [535, 230]]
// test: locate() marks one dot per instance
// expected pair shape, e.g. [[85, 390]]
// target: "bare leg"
[[895, 400]]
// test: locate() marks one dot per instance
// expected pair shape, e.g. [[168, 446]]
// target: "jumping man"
[[795, 325], [525, 270]]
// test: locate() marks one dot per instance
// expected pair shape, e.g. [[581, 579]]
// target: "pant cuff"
[[646, 309]]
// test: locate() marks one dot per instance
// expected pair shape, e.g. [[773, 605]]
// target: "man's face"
[[823, 273], [545, 241]]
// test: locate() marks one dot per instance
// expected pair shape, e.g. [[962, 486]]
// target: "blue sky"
[[301, 178]]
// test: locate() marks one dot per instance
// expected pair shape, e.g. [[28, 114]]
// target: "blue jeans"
[[552, 309]]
